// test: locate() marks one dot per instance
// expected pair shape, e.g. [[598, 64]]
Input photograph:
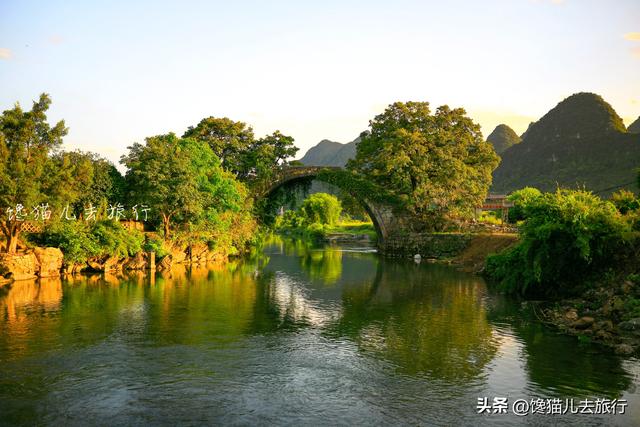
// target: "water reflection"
[[355, 334], [556, 364], [426, 320]]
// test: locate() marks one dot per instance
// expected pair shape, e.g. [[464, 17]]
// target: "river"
[[296, 336]]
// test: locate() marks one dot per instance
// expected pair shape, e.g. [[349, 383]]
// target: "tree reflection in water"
[[418, 323]]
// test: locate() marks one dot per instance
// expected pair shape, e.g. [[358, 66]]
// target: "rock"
[[583, 323], [630, 325], [604, 325], [165, 263], [178, 256], [20, 266], [50, 260], [624, 349], [104, 263], [198, 252], [571, 315], [138, 262]]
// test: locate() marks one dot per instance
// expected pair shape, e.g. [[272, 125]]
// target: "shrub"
[[73, 238], [115, 240], [316, 231], [520, 200], [321, 208], [79, 240], [625, 201], [568, 237], [155, 244]]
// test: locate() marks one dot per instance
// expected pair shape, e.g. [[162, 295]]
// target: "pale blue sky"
[[120, 71]]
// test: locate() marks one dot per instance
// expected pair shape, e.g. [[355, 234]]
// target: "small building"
[[496, 202]]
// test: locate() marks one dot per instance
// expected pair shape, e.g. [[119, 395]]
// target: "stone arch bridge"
[[389, 223], [399, 233]]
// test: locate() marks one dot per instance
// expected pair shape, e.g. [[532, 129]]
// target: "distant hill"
[[330, 153], [634, 127], [580, 142], [502, 138]]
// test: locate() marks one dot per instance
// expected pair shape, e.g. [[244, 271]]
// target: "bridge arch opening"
[[300, 175]]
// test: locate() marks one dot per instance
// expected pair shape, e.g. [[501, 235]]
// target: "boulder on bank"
[[50, 261], [165, 263], [20, 266], [104, 263], [138, 262], [583, 323], [39, 262]]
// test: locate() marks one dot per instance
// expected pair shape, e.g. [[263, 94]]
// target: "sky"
[[118, 72]]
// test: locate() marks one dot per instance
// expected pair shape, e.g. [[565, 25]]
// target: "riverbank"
[[607, 314], [46, 262]]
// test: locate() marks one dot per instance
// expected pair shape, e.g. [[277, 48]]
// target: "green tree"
[[321, 208], [438, 164], [266, 154], [567, 237], [521, 199], [26, 143], [229, 140], [179, 179], [248, 158]]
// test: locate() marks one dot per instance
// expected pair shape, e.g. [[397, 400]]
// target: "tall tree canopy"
[[438, 164], [240, 152], [268, 152], [26, 142], [229, 140], [180, 179], [84, 179]]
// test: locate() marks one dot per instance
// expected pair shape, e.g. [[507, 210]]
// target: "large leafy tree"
[[438, 164], [180, 179], [248, 158], [229, 140], [266, 154], [26, 143], [84, 179]]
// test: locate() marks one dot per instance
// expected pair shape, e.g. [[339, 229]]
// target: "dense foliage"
[[438, 164], [322, 208], [567, 238], [180, 179], [80, 240], [26, 141], [318, 208], [243, 155], [625, 201], [187, 185], [520, 199], [319, 214]]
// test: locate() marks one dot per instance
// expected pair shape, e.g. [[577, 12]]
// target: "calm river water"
[[298, 336]]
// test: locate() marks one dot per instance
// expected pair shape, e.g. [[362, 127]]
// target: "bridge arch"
[[379, 214]]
